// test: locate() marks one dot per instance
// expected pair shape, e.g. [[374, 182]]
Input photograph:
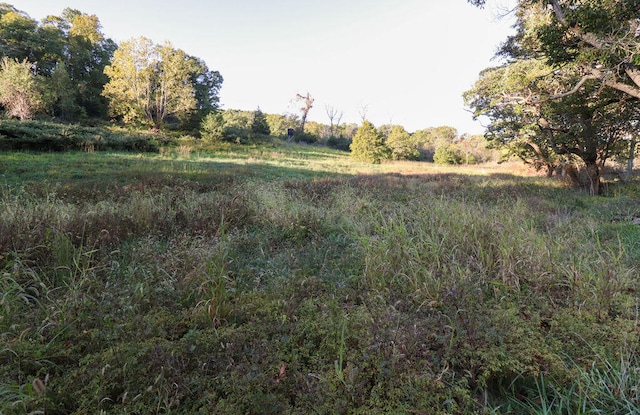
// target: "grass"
[[288, 279]]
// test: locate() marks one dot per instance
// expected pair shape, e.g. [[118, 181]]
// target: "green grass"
[[288, 279]]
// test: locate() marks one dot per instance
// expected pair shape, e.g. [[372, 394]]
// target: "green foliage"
[[20, 92], [43, 136], [259, 123], [447, 154], [368, 144], [556, 98], [163, 86], [212, 127], [72, 41], [61, 90], [401, 145], [591, 124], [278, 124], [339, 143]]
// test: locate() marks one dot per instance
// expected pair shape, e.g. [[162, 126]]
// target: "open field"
[[287, 279]]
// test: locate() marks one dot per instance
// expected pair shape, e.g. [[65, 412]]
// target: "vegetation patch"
[[186, 284]]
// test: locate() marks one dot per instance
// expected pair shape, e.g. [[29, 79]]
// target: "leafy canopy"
[[152, 84], [570, 88]]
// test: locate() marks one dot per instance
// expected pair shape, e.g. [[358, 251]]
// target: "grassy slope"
[[287, 279]]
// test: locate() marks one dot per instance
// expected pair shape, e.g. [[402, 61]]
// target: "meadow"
[[288, 279]]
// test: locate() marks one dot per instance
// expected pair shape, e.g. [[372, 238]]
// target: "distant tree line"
[[442, 145], [64, 69]]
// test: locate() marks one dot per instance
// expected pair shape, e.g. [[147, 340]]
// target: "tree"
[[333, 115], [590, 124], [368, 144], [62, 94], [87, 53], [20, 90], [18, 34], [307, 104], [401, 145], [279, 123], [212, 127], [68, 46], [259, 123], [500, 94], [206, 84], [596, 38], [131, 84], [590, 47], [447, 154], [152, 84], [429, 139]]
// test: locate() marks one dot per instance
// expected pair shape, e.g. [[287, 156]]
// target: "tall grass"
[[184, 285], [603, 387]]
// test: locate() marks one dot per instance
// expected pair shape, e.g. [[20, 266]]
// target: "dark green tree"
[[368, 144], [259, 124], [19, 35], [74, 42]]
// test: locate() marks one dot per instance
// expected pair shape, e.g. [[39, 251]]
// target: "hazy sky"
[[404, 62]]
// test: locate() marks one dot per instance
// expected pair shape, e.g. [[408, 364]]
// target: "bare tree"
[[307, 104], [363, 112], [332, 113]]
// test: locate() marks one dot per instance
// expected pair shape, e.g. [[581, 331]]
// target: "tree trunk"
[[593, 174], [632, 156], [550, 169]]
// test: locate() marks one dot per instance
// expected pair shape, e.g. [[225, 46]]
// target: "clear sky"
[[403, 62]]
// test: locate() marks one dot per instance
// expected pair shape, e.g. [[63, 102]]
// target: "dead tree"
[[307, 104]]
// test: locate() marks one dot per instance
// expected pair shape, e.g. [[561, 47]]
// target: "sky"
[[403, 62]]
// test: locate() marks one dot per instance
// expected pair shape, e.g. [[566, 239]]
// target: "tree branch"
[[587, 37], [633, 73], [573, 90]]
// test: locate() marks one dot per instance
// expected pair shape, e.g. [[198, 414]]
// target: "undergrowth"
[[421, 293]]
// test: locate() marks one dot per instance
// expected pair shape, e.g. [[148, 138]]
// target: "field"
[[289, 279]]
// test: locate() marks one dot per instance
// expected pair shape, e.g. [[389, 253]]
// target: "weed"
[[216, 290]]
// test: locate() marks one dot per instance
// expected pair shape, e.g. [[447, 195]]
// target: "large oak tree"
[[585, 102]]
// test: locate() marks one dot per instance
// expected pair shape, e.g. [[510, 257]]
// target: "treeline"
[[442, 144], [65, 69]]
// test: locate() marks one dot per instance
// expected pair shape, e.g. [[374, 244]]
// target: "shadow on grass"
[[105, 171]]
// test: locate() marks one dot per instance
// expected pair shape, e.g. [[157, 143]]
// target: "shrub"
[[339, 143], [447, 155], [48, 136]]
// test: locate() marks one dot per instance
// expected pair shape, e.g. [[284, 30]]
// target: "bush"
[[48, 136], [447, 155], [339, 143]]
